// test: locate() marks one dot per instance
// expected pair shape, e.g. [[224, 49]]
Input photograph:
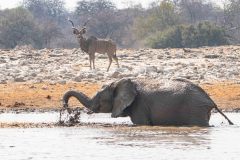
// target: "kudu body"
[[91, 45]]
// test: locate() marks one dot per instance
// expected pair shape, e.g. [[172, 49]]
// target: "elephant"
[[176, 102]]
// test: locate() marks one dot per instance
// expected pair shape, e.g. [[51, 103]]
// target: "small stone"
[[48, 97], [211, 56], [62, 82], [19, 79], [159, 57], [33, 74], [78, 78], [3, 61], [44, 88], [150, 69], [3, 82], [115, 74]]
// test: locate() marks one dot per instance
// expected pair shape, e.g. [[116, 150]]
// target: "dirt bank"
[[47, 96], [41, 95]]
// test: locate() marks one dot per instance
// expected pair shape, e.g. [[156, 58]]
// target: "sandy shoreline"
[[45, 96]]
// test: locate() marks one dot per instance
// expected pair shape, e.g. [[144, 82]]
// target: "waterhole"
[[117, 141]]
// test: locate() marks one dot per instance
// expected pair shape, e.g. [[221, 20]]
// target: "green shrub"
[[204, 34], [169, 38], [17, 27]]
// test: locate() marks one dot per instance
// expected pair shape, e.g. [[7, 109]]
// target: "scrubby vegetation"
[[166, 23], [203, 34]]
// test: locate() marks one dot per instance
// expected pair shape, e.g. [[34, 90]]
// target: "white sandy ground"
[[63, 65]]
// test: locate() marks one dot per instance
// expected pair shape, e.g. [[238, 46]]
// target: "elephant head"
[[113, 98]]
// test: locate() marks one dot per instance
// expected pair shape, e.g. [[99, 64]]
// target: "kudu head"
[[79, 32]]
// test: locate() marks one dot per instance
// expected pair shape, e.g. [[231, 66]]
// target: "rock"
[[19, 79], [123, 69], [115, 74], [56, 55], [90, 75], [141, 71], [102, 56], [235, 73], [127, 67], [3, 61], [3, 81], [61, 65], [211, 56], [167, 52], [33, 74], [13, 58], [179, 55], [159, 56], [78, 78], [150, 69], [69, 75], [231, 57], [62, 82]]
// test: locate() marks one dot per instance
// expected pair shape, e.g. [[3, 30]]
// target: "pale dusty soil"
[[42, 95], [48, 96]]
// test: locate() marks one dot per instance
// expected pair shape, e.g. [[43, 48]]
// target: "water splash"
[[69, 116]]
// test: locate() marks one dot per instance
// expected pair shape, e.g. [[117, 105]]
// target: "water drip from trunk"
[[69, 116]]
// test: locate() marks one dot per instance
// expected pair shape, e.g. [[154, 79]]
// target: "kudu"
[[91, 45]]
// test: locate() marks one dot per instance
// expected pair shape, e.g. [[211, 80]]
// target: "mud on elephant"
[[174, 102]]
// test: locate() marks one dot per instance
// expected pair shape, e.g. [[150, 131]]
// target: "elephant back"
[[191, 93], [195, 95]]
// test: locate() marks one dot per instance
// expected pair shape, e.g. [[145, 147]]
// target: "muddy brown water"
[[117, 142]]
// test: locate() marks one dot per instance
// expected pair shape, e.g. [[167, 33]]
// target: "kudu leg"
[[116, 59], [110, 62], [93, 61], [90, 62]]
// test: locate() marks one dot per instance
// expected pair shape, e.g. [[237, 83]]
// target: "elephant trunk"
[[83, 99]]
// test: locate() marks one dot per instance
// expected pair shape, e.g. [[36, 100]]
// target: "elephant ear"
[[124, 94]]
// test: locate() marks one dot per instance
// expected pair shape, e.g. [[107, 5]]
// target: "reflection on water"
[[123, 142]]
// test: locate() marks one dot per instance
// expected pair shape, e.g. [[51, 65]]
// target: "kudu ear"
[[124, 94]]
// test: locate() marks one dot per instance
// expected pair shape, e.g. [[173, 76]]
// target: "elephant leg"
[[140, 118], [142, 121], [209, 114], [199, 116]]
